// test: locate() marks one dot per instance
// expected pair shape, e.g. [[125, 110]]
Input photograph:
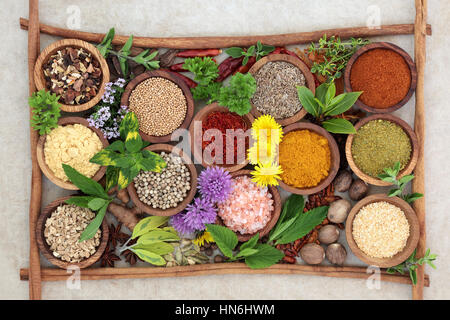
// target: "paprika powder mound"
[[384, 77]]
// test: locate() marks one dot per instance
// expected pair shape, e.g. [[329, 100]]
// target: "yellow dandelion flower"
[[266, 127], [266, 174], [261, 153], [202, 238]]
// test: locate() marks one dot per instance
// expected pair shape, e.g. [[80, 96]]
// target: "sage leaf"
[[160, 247], [157, 235], [250, 243], [86, 185], [147, 224], [81, 201], [93, 226], [225, 239], [307, 100], [150, 257], [338, 125], [265, 257]]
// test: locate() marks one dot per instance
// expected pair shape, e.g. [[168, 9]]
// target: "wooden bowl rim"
[[411, 244], [309, 78], [55, 46], [275, 214], [334, 152], [389, 46], [406, 128], [171, 77], [190, 196], [45, 248], [41, 156], [200, 116]]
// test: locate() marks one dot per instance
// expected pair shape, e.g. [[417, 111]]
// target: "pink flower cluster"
[[249, 207]]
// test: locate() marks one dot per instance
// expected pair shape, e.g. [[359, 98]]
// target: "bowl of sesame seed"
[[382, 231], [162, 102]]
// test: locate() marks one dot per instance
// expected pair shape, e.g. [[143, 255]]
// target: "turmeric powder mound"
[[305, 158]]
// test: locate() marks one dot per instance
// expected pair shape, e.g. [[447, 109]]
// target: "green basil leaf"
[[147, 224], [307, 100], [129, 123], [304, 223], [86, 185], [81, 201], [150, 257], [235, 52], [96, 204], [337, 125], [160, 248], [93, 226], [250, 243], [157, 235], [265, 257], [225, 239], [346, 103]]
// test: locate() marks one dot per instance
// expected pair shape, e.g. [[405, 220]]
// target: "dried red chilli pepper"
[[286, 51], [228, 66], [244, 69], [277, 50], [189, 82], [199, 53]]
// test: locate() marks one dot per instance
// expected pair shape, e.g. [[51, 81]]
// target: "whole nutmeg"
[[343, 181], [312, 253], [336, 254], [328, 234], [338, 211], [219, 259], [358, 190]]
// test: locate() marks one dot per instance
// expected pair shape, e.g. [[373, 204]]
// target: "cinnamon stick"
[[224, 42], [418, 184], [36, 175], [51, 274]]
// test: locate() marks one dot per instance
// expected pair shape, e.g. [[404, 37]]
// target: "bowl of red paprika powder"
[[220, 118], [385, 73]]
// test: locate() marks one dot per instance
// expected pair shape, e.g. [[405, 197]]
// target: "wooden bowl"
[[196, 137], [45, 248], [125, 101], [335, 158], [61, 44], [412, 138], [411, 244], [309, 78], [389, 46], [180, 207], [41, 157], [275, 213]]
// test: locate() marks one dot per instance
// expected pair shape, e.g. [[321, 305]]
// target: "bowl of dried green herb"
[[380, 141]]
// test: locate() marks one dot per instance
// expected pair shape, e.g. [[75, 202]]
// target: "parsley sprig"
[[46, 111]]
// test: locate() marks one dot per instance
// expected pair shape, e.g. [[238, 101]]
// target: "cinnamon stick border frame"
[[420, 29]]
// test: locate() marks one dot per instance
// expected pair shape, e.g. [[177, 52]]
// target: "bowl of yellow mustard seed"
[[162, 103]]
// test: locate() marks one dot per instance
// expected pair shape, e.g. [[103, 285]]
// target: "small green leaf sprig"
[[325, 106], [294, 223], [236, 96], [258, 51], [256, 255], [335, 53], [125, 159], [413, 263], [145, 58], [96, 199], [46, 111], [153, 237], [390, 176]]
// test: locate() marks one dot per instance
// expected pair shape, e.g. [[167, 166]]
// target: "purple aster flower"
[[178, 223], [198, 213], [214, 184]]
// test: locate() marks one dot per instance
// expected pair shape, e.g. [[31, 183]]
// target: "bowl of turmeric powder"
[[309, 157]]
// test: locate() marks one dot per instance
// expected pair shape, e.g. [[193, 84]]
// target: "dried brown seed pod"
[[343, 181], [336, 254], [358, 190], [328, 234], [312, 253], [338, 211]]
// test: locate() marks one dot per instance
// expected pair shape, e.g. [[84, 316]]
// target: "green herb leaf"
[[126, 175], [129, 123], [225, 239], [81, 201], [406, 179], [104, 157], [246, 252], [46, 111], [133, 141], [160, 248], [157, 235], [235, 52], [292, 208], [236, 96], [307, 100], [118, 146], [345, 103], [97, 203], [250, 243], [410, 198], [321, 92], [105, 45], [338, 125], [331, 92], [265, 257], [86, 185], [147, 224], [394, 192], [150, 257], [303, 224], [93, 226], [152, 161], [204, 69], [112, 176]]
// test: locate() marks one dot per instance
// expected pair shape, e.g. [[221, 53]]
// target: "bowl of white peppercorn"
[[168, 192], [58, 231], [162, 103]]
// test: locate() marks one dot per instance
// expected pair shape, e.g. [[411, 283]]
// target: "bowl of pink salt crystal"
[[250, 209]]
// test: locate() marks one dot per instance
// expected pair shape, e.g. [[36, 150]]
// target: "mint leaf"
[[225, 239], [86, 185], [250, 243], [265, 257], [246, 253]]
